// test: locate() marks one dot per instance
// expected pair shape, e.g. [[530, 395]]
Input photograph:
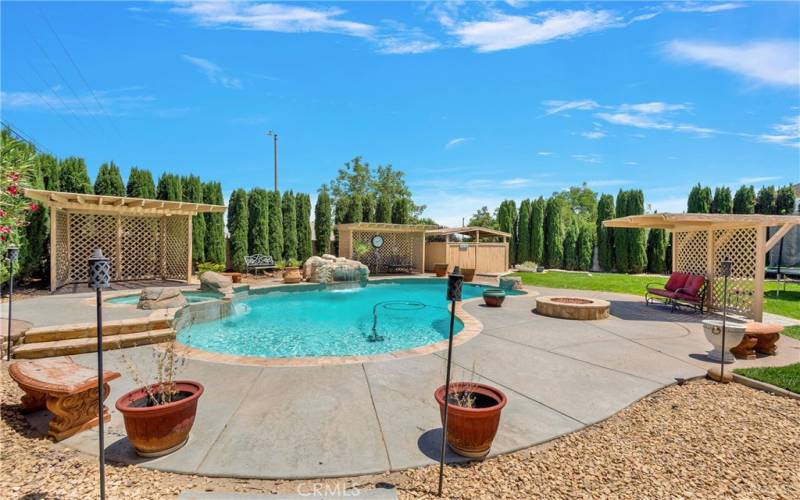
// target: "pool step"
[[89, 330], [64, 347]]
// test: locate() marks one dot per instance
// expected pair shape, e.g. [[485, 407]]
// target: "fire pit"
[[572, 307]]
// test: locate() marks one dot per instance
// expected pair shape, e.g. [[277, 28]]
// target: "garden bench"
[[68, 390], [682, 289], [259, 261], [758, 337]]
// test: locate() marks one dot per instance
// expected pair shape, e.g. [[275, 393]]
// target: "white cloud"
[[501, 31], [517, 181], [631, 163], [590, 158], [705, 7], [633, 120], [653, 107], [756, 180], [594, 134], [273, 17], [396, 45], [115, 102], [213, 72], [557, 106], [772, 62], [455, 142], [544, 153], [786, 133]]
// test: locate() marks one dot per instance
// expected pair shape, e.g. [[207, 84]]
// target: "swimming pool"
[[379, 317], [191, 296]]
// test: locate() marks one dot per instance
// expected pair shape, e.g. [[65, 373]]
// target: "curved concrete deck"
[[350, 419]]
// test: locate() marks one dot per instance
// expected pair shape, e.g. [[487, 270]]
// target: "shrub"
[[215, 224], [636, 240], [73, 177], [193, 192], [553, 234], [141, 185], [322, 221], [699, 200], [584, 247], [722, 202], [258, 221], [537, 230], [656, 251], [289, 226], [209, 266], [765, 201], [784, 200], [237, 228], [621, 247], [570, 247], [109, 181], [524, 230], [744, 201], [169, 188], [303, 213], [275, 225]]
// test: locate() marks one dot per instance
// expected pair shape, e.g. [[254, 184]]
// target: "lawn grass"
[[785, 303], [792, 331], [785, 377]]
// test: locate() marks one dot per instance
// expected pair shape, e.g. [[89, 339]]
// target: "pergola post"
[[758, 289], [189, 253], [53, 249]]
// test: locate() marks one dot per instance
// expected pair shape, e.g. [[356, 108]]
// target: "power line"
[[52, 90], [80, 73], [22, 137], [47, 102]]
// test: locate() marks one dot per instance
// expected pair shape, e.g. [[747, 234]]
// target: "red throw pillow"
[[676, 280], [693, 284]]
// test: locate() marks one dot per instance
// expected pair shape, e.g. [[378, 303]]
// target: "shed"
[[483, 249], [701, 241], [144, 239]]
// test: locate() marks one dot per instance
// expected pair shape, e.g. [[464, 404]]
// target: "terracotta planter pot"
[[494, 297], [158, 430], [292, 275], [440, 270], [469, 274], [470, 431]]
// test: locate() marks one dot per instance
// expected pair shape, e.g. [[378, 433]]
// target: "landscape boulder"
[[156, 297], [511, 283], [327, 269], [217, 282]]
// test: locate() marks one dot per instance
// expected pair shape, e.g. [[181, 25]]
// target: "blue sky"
[[475, 101]]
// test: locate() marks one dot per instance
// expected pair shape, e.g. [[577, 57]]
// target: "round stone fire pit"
[[572, 307]]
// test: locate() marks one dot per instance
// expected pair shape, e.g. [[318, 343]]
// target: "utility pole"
[[274, 136]]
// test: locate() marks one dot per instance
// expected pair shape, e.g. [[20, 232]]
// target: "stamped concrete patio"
[[351, 419]]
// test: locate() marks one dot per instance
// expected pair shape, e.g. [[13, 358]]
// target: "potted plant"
[[159, 416], [440, 270], [494, 297], [473, 417], [469, 274], [291, 274]]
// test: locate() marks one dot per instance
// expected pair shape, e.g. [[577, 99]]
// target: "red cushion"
[[661, 293], [676, 280], [693, 285], [684, 296]]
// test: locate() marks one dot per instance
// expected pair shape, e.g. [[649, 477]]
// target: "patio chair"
[[259, 261], [682, 289], [399, 264]]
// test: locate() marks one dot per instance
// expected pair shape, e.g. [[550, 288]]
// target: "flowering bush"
[[16, 169]]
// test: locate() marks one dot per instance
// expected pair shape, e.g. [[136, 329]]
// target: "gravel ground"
[[699, 440]]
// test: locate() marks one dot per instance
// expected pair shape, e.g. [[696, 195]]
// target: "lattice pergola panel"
[[87, 232], [691, 250], [176, 245], [61, 237], [738, 245], [141, 244], [398, 248]]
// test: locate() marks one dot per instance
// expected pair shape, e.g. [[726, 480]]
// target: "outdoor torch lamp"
[[99, 278], [12, 254]]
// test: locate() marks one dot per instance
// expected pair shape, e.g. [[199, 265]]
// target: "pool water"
[[191, 297], [335, 321]]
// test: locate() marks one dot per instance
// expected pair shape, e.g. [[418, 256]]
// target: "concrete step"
[[82, 345], [89, 330]]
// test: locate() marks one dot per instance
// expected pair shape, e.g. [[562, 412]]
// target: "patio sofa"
[[682, 289]]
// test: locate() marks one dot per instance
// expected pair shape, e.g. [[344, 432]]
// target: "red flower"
[[2, 213], [14, 176], [5, 229], [12, 190], [33, 206]]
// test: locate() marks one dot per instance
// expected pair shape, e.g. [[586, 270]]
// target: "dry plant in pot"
[[473, 416], [159, 415], [440, 270], [291, 274]]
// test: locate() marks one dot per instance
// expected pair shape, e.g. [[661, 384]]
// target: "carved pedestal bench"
[[758, 337], [68, 390]]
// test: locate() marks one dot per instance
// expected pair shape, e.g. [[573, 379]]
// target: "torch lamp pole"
[[11, 258], [454, 284], [725, 269], [99, 278]]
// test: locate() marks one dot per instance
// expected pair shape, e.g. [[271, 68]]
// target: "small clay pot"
[[469, 274], [440, 270], [470, 431], [494, 297], [292, 275], [158, 430]]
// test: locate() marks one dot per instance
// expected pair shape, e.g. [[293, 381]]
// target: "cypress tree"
[[73, 177], [507, 222], [524, 230], [401, 211], [699, 200], [585, 246], [553, 234], [275, 225], [303, 212], [237, 228], [369, 208], [656, 251], [571, 246], [668, 253], [784, 200], [605, 235], [289, 227], [322, 221], [140, 184], [636, 239], [765, 201], [722, 202], [169, 188], [193, 193], [744, 201], [258, 221], [109, 181], [214, 249], [621, 247], [48, 167], [537, 230], [355, 209], [383, 208]]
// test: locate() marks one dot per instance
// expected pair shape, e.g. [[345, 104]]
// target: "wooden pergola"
[[144, 239], [484, 256], [403, 243], [701, 241]]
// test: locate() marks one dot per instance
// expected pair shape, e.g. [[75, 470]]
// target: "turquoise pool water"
[[191, 297], [333, 322]]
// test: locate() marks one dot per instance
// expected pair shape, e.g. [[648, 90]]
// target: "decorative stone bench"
[[68, 390], [511, 283], [758, 338]]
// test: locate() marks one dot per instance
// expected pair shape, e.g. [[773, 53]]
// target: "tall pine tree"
[[571, 246], [637, 242], [524, 230], [109, 181], [215, 224], [699, 200], [303, 214], [744, 201], [785, 200], [537, 230], [656, 251], [258, 221], [193, 193], [237, 228], [553, 234], [722, 202], [765, 201], [275, 225], [605, 235], [322, 221], [289, 227], [73, 177], [621, 246], [169, 188], [585, 245], [140, 184]]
